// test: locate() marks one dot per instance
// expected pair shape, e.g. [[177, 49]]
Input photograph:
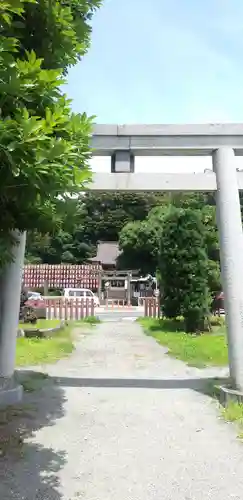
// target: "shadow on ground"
[[203, 385], [27, 470]]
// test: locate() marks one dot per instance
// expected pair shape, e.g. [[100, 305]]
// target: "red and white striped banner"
[[62, 275]]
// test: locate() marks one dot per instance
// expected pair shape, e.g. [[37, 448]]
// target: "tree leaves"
[[92, 217], [44, 146], [57, 31], [140, 241], [184, 267]]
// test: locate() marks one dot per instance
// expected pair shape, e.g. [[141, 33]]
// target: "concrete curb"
[[43, 332]]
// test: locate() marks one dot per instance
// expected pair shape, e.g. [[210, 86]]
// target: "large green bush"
[[184, 268]]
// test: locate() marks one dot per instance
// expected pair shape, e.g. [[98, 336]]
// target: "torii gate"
[[221, 141], [122, 143]]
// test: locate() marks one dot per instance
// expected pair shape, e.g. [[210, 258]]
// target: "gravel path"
[[124, 422]]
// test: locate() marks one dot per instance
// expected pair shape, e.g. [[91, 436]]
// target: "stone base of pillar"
[[11, 392], [227, 395]]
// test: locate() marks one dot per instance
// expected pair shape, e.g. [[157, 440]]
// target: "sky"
[[162, 61]]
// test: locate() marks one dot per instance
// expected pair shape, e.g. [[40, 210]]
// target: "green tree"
[[208, 214], [205, 203], [44, 147], [136, 245], [184, 267], [140, 242], [87, 219], [58, 31], [106, 214], [36, 245], [64, 244]]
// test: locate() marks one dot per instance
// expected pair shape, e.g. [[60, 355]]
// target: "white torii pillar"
[[231, 256], [10, 289]]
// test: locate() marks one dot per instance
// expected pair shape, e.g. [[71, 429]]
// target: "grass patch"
[[209, 349], [41, 324], [233, 412], [90, 320], [35, 351]]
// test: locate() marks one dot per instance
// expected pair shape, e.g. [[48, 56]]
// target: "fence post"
[[47, 308], [50, 309], [145, 304], [149, 308], [92, 307], [81, 308], [154, 309], [66, 309], [55, 308], [76, 309], [71, 308]]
